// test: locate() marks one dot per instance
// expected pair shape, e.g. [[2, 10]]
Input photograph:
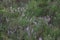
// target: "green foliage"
[[14, 25], [23, 21]]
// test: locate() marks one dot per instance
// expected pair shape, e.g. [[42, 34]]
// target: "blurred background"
[[29, 19]]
